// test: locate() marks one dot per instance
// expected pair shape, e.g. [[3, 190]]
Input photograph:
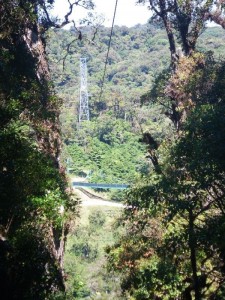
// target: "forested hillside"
[[108, 149], [136, 55]]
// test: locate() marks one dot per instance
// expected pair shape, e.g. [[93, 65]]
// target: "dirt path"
[[87, 201]]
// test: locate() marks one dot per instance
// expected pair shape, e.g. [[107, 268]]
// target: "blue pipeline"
[[100, 185]]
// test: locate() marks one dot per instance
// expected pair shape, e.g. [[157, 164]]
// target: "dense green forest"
[[108, 149], [100, 148], [159, 126]]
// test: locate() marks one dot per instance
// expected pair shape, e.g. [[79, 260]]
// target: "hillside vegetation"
[[108, 149], [85, 259]]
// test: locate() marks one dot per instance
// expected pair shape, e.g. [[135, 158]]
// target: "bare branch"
[[66, 17], [66, 20], [154, 8]]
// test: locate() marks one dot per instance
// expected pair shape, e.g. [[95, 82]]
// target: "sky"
[[128, 13]]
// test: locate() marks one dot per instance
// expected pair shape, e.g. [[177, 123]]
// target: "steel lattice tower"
[[84, 108]]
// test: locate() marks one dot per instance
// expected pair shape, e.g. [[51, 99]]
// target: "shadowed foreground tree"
[[173, 246], [35, 206]]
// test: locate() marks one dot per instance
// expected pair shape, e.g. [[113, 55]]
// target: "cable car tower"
[[84, 108]]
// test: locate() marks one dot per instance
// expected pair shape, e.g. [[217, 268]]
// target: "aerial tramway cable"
[[107, 55]]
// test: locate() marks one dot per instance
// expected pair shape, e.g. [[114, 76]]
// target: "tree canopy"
[[172, 248]]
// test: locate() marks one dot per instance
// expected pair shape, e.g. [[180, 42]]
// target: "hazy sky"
[[128, 13]]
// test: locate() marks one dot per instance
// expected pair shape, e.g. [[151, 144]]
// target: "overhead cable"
[[107, 55]]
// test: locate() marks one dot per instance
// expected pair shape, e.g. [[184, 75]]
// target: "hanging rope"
[[107, 55]]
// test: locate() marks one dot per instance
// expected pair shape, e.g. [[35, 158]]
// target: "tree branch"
[[66, 20]]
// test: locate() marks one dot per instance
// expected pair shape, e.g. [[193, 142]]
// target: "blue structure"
[[100, 185]]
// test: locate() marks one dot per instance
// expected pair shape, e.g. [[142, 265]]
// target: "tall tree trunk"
[[49, 137]]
